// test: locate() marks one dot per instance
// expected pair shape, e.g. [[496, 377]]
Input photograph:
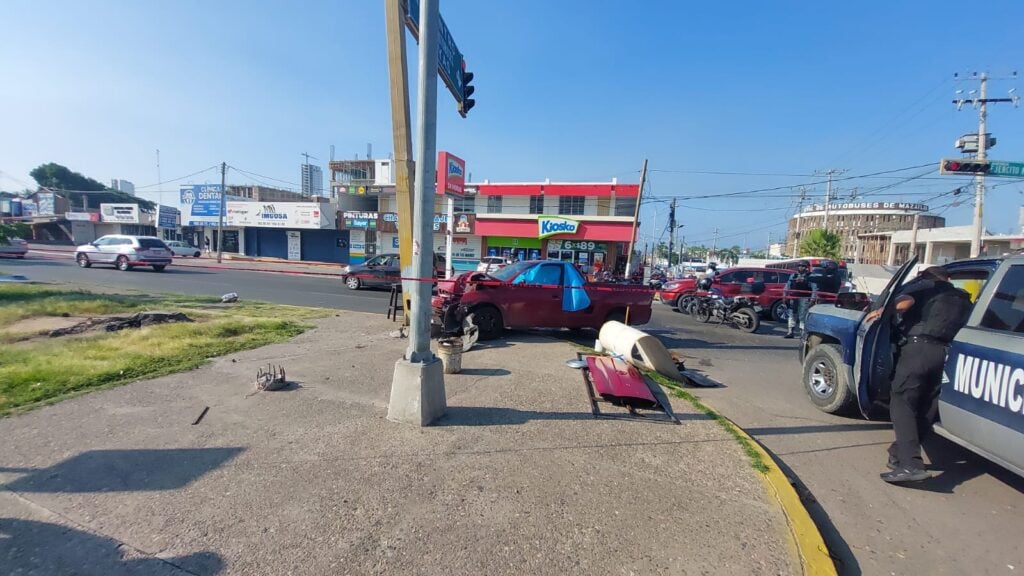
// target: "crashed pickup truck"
[[535, 294]]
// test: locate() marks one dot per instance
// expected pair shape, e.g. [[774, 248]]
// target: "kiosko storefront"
[[588, 241]]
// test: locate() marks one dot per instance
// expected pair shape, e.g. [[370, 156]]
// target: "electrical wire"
[[214, 167], [256, 175]]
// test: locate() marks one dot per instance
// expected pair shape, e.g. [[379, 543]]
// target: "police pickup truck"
[[847, 363]]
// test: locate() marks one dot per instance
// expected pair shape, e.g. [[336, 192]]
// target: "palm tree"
[[729, 255], [822, 243]]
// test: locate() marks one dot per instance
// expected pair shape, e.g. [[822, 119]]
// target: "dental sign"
[[451, 174], [552, 225]]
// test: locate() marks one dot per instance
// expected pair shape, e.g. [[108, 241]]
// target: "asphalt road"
[[965, 520], [278, 288]]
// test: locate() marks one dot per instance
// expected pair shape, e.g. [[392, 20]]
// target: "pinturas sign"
[[552, 225]]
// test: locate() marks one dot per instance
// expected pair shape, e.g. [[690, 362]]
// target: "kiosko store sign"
[[552, 225]]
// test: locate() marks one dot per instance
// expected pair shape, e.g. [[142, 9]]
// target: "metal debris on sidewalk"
[[271, 379], [229, 298]]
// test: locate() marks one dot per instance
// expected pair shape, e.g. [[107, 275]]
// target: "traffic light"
[[467, 103], [964, 167]]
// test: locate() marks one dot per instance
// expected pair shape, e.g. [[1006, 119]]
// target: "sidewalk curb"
[[56, 254], [806, 539], [810, 546]]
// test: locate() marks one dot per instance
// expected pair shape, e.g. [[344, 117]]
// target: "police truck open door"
[[874, 361]]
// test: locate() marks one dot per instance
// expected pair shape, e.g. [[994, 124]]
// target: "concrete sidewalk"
[[517, 478]]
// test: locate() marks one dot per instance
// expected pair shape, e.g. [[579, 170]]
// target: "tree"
[[822, 243], [729, 255], [76, 186], [14, 230]]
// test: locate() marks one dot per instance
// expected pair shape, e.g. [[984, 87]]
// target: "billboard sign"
[[119, 213], [200, 204], [81, 216], [275, 214], [29, 208], [46, 204], [451, 174], [359, 220], [167, 217], [552, 225]]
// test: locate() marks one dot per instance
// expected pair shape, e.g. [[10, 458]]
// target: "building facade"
[[934, 246], [258, 193], [312, 180], [123, 186], [589, 224], [856, 222]]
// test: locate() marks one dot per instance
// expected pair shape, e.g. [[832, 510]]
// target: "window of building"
[[571, 205], [494, 204], [1006, 310], [536, 204], [466, 204], [625, 206]]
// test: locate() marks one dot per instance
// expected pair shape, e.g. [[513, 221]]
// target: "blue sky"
[[565, 90]]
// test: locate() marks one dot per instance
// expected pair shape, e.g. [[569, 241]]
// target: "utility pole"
[[220, 217], [671, 232], [830, 173], [768, 252], [636, 218], [714, 247], [913, 236], [401, 132], [799, 218]]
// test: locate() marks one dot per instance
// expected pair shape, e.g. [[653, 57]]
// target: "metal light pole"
[[417, 390], [979, 180], [220, 218]]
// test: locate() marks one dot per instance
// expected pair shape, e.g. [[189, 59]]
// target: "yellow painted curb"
[[810, 546]]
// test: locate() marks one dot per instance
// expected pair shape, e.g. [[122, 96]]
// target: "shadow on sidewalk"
[[31, 547], [123, 470], [497, 416]]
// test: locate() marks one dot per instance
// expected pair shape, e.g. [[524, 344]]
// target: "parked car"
[[179, 248], [489, 264], [14, 247], [382, 270], [730, 282], [847, 363], [125, 252], [535, 294]]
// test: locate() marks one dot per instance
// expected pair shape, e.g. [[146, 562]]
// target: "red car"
[[730, 282], [535, 294]]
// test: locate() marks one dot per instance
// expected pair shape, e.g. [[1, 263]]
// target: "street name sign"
[[1004, 168], [449, 59]]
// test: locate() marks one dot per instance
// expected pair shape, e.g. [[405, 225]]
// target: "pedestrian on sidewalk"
[[931, 311], [798, 294], [206, 245]]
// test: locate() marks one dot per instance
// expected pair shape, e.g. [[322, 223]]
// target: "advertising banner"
[[29, 208], [81, 216], [552, 225], [46, 204], [306, 215], [200, 204], [354, 220], [451, 174], [119, 213], [294, 245], [167, 217]]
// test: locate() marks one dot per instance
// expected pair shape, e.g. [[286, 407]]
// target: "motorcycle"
[[742, 311]]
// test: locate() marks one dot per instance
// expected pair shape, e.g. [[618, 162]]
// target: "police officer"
[[931, 312], [798, 294]]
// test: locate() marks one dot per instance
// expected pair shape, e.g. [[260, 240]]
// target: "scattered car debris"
[[229, 298], [13, 278], [273, 378], [201, 415], [116, 323]]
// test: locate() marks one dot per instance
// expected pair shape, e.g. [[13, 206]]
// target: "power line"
[[256, 175], [214, 167]]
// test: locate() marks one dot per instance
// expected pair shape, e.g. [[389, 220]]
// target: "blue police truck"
[[847, 363]]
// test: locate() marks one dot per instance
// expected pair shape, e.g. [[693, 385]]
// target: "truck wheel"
[[488, 320], [825, 380], [681, 303]]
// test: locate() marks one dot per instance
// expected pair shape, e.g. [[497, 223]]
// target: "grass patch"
[[43, 371], [754, 455]]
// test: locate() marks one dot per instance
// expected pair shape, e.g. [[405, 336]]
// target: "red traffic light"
[[964, 167]]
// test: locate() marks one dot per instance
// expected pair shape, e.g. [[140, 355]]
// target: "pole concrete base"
[[417, 393]]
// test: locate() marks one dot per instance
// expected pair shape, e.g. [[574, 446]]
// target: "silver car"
[[13, 247], [180, 248], [125, 252]]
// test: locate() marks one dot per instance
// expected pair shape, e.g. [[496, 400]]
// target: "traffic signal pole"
[[979, 179]]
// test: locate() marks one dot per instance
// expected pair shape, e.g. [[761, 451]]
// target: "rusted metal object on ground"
[[273, 378]]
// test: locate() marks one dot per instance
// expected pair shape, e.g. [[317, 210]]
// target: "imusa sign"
[[451, 174], [552, 225]]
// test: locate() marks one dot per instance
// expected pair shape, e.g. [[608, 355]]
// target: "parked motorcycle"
[[742, 311]]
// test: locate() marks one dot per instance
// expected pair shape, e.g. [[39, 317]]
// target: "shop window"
[[625, 206], [371, 242], [494, 204], [466, 204], [536, 204], [571, 205]]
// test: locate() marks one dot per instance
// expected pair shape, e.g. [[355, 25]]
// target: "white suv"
[[125, 252]]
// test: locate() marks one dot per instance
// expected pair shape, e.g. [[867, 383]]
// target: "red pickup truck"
[[535, 294]]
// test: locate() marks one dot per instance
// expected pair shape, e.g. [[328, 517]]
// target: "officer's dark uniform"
[[925, 331], [798, 291]]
